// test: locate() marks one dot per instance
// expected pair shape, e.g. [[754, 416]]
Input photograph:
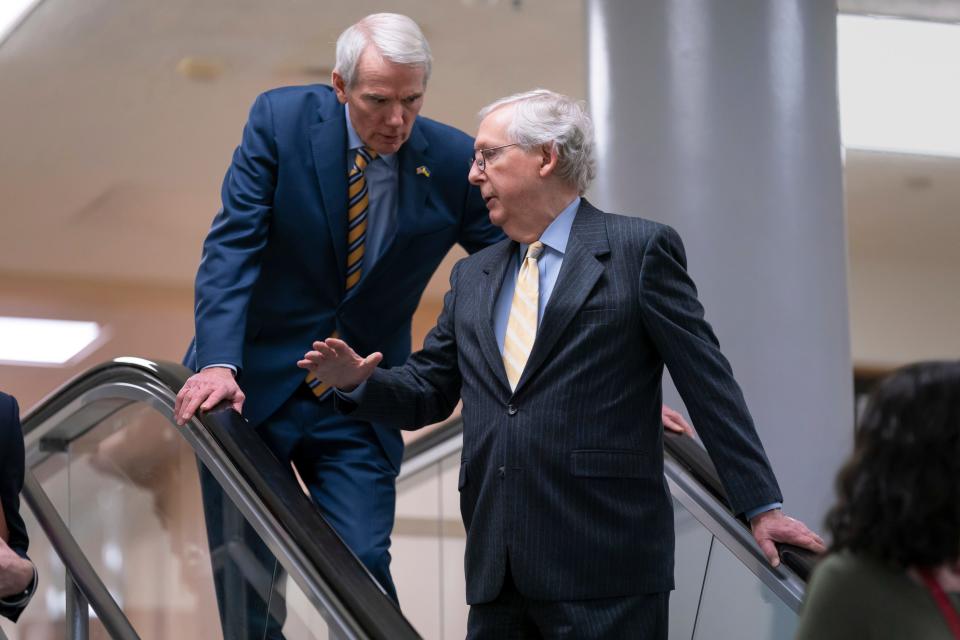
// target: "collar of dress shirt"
[[354, 142], [557, 233]]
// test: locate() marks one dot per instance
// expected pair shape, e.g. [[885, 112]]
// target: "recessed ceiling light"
[[899, 85], [44, 342], [12, 12]]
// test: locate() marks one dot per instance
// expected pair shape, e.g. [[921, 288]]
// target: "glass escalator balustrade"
[[126, 481], [717, 596]]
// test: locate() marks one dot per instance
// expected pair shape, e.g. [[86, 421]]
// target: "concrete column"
[[721, 119]]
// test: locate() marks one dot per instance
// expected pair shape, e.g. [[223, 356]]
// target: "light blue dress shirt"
[[554, 239]]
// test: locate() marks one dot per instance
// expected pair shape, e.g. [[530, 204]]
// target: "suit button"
[[511, 410], [502, 471]]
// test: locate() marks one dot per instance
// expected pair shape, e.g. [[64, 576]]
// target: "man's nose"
[[395, 116], [475, 176]]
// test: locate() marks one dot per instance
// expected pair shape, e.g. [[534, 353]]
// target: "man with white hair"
[[339, 205], [556, 339]]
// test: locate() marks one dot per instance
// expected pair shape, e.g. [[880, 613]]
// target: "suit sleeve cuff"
[[345, 402], [753, 513], [20, 600]]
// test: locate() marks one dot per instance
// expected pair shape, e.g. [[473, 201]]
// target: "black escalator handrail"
[[273, 485], [689, 453]]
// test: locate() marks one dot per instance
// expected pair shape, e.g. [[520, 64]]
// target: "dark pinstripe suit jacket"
[[564, 476]]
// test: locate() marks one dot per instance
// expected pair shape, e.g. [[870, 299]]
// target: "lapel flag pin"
[[423, 171]]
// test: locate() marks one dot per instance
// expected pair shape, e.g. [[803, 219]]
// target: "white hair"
[[397, 38], [543, 117]]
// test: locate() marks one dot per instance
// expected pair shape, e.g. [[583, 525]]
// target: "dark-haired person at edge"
[[18, 576], [893, 570], [338, 207]]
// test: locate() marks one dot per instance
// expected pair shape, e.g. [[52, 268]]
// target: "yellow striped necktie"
[[522, 323], [358, 204]]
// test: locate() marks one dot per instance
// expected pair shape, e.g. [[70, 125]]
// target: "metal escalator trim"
[[73, 558], [694, 481], [289, 523], [732, 533]]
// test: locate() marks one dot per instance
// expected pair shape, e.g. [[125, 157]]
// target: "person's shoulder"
[[7, 403], [633, 229], [842, 571], [8, 420], [301, 92], [308, 99]]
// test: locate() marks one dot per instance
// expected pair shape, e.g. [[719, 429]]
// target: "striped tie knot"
[[365, 155], [534, 250]]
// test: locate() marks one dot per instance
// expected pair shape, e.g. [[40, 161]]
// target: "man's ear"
[[339, 86], [548, 159]]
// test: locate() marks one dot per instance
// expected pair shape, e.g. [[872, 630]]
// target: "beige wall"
[[902, 312], [139, 319]]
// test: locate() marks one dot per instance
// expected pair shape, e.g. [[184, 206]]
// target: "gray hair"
[[542, 117], [396, 37]]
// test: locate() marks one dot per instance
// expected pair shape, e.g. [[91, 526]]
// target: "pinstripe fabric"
[[564, 475], [513, 617], [522, 323], [358, 206]]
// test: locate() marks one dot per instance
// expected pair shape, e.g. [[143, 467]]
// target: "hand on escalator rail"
[[774, 526], [674, 421], [204, 390]]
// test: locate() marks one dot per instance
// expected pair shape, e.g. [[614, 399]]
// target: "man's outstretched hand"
[[774, 526], [334, 362]]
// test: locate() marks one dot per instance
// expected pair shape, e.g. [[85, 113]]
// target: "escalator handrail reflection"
[[356, 591], [689, 453]]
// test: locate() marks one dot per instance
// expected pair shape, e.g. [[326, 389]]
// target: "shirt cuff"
[[753, 513], [20, 600], [222, 366]]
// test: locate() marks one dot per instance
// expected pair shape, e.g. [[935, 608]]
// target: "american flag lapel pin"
[[422, 170]]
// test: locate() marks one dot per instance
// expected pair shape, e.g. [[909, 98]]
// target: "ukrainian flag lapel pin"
[[422, 170]]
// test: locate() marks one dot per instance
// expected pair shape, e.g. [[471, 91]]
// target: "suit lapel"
[[328, 139], [579, 273], [498, 260]]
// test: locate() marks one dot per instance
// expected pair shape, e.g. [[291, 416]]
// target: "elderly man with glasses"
[[556, 340]]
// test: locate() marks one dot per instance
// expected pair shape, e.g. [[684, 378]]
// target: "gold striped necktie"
[[522, 323], [358, 204]]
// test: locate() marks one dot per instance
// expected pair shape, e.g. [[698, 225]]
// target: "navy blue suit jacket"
[[11, 482], [271, 280], [565, 474]]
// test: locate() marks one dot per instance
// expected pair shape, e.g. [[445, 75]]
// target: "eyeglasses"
[[482, 156]]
